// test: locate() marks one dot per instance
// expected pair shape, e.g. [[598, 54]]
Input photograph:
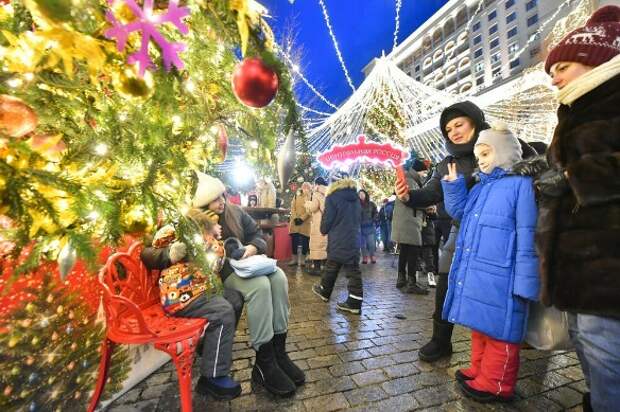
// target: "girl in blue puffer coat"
[[495, 268]]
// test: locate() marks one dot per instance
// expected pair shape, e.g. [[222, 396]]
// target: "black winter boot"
[[266, 372], [413, 287], [440, 344], [351, 305], [401, 280], [284, 362]]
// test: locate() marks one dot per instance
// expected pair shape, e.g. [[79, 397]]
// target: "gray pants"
[[218, 338], [268, 305]]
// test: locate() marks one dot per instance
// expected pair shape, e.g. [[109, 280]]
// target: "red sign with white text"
[[385, 154]]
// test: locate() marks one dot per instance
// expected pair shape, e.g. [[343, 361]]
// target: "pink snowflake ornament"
[[147, 23]]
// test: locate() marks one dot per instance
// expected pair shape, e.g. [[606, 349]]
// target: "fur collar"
[[340, 185], [589, 81]]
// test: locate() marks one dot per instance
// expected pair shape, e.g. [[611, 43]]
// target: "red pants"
[[494, 365]]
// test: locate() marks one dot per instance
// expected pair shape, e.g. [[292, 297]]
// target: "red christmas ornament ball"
[[254, 83], [17, 119]]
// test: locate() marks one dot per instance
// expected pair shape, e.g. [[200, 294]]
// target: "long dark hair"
[[366, 198]]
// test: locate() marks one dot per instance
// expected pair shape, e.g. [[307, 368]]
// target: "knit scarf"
[[589, 81]]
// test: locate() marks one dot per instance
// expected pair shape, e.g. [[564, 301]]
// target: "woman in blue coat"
[[495, 269]]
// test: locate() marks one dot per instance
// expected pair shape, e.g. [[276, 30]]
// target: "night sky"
[[363, 29]]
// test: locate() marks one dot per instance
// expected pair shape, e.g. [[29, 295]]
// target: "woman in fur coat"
[[578, 228], [318, 241]]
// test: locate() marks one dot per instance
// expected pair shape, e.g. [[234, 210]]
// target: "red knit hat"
[[594, 44]]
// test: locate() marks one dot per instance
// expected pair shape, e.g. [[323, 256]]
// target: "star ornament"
[[147, 23]]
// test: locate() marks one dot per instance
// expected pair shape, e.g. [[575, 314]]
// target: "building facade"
[[467, 47]]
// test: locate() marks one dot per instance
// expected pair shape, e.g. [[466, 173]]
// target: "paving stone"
[[309, 353], [317, 374], [327, 403], [401, 357], [142, 406], [369, 377], [400, 386], [437, 394], [403, 369], [156, 391], [397, 403], [380, 362], [536, 404], [565, 396], [365, 395], [360, 344], [348, 368], [131, 396], [354, 355], [323, 361], [158, 378], [580, 386]]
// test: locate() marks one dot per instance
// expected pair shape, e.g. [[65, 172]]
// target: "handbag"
[[547, 328], [256, 265]]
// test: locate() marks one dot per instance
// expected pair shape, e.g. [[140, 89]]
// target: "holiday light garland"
[[399, 4], [335, 42]]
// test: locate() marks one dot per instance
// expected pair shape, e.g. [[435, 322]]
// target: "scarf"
[[589, 81]]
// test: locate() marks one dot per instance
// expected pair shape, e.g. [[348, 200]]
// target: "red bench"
[[134, 315]]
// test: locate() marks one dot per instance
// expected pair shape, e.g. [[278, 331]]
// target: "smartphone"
[[400, 174]]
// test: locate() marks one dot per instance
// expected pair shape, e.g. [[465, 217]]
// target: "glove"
[[552, 183], [531, 167], [178, 250], [298, 221]]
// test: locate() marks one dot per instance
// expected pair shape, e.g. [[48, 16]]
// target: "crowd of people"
[[497, 224]]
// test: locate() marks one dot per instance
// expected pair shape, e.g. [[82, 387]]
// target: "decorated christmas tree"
[[49, 349]]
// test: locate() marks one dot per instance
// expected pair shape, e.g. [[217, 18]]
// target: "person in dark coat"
[[460, 125], [368, 227], [578, 229], [341, 223], [385, 223]]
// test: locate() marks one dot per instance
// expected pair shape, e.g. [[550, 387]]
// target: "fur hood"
[[342, 184]]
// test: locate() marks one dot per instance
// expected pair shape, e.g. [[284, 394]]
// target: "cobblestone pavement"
[[368, 362]]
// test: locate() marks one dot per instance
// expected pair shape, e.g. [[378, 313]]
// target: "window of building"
[[493, 29], [509, 4], [534, 51], [492, 15], [478, 53], [514, 63], [496, 58], [530, 4], [418, 79], [479, 67], [497, 72], [532, 20], [512, 32], [476, 26], [479, 81], [513, 48], [477, 39], [511, 17], [417, 68], [494, 43]]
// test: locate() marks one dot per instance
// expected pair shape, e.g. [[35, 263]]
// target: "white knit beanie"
[[209, 188], [507, 148]]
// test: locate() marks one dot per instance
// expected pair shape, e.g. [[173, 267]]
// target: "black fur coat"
[[578, 234]]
